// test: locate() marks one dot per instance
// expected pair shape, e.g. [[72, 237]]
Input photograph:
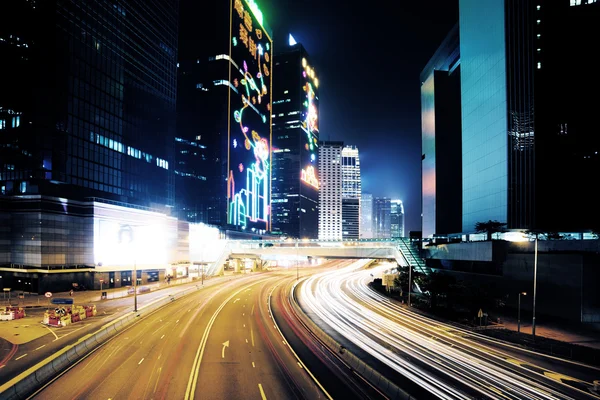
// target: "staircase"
[[216, 268], [411, 254]]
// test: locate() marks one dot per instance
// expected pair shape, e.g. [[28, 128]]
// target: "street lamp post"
[[135, 286], [297, 266], [409, 281], [535, 262], [519, 312]]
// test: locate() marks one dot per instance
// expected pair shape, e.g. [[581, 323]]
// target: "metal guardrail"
[[26, 383]]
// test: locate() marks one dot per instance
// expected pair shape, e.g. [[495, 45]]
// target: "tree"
[[401, 280], [490, 227], [437, 284]]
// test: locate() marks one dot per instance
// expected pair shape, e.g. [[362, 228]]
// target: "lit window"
[[538, 8], [23, 187], [539, 36], [2, 124], [538, 21], [539, 65]]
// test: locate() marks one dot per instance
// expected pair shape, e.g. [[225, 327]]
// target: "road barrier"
[[372, 376], [28, 382]]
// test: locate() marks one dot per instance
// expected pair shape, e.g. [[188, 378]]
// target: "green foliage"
[[490, 227]]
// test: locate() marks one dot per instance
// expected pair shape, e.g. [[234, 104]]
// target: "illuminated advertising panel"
[[310, 125], [249, 139], [125, 237]]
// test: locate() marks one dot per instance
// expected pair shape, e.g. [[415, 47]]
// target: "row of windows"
[[132, 152]]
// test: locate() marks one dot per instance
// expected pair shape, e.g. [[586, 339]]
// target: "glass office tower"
[[88, 100], [295, 192], [527, 136]]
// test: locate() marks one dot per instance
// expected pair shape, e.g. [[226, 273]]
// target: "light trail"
[[438, 357]]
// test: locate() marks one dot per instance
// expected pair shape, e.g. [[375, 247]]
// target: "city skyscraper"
[[366, 216], [88, 101], [351, 192], [225, 63], [525, 137], [396, 219], [295, 192], [441, 140], [330, 193], [382, 210]]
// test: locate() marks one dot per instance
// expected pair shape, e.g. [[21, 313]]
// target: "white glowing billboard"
[[126, 237]]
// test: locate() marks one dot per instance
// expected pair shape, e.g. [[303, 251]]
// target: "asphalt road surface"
[[429, 358], [219, 343], [15, 359]]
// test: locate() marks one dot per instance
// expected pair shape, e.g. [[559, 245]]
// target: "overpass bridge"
[[401, 250]]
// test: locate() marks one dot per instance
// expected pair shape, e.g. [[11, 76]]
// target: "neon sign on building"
[[310, 124], [249, 160]]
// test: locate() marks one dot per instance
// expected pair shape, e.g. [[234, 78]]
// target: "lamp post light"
[[535, 263], [409, 281], [519, 312], [134, 285]]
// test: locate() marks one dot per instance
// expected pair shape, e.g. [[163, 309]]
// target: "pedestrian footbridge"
[[402, 250]]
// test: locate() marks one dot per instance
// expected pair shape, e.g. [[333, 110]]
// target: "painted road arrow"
[[226, 344]]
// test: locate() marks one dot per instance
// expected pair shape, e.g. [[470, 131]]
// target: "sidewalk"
[[90, 296]]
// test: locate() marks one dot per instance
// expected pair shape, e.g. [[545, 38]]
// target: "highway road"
[[429, 358], [218, 343], [18, 358]]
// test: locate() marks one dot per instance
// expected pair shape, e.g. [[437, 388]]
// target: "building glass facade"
[[441, 129], [484, 112], [330, 193], [351, 192], [396, 219], [366, 216], [295, 192], [382, 210], [90, 106]]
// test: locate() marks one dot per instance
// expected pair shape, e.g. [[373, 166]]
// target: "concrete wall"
[[568, 274]]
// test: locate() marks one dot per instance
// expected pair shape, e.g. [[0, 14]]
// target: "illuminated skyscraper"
[[366, 216], [441, 140], [330, 193], [351, 192], [87, 105], [382, 209], [295, 192], [224, 104], [528, 134], [396, 219]]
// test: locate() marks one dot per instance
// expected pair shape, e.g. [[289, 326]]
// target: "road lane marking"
[[189, 310], [159, 356], [244, 325], [177, 321], [162, 336], [300, 365], [292, 350], [243, 314], [225, 344], [194, 372], [157, 378], [55, 335], [18, 358], [252, 336], [40, 347], [253, 366], [141, 361], [262, 392], [236, 300], [252, 312]]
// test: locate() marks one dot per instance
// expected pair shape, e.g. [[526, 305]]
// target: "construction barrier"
[[64, 316], [9, 313]]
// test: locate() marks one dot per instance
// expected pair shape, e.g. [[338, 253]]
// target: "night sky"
[[368, 57]]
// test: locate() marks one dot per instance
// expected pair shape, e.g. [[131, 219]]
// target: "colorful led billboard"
[[249, 139], [310, 126]]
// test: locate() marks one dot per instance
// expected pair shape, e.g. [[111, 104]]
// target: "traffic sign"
[[480, 313], [48, 294], [62, 301]]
